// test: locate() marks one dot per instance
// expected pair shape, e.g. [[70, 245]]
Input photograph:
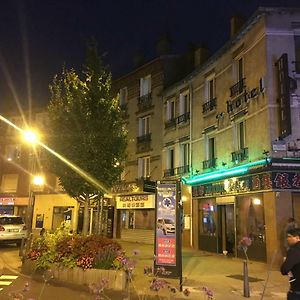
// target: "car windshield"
[[168, 221], [11, 221]]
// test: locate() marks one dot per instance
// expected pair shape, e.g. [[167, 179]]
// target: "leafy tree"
[[86, 127]]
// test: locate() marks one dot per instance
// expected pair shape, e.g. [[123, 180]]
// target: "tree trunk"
[[97, 227], [101, 216], [86, 216]]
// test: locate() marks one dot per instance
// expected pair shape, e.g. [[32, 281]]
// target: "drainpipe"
[[190, 159]]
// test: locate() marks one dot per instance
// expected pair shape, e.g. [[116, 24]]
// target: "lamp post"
[[31, 138]]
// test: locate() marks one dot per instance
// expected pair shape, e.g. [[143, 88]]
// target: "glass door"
[[226, 229]]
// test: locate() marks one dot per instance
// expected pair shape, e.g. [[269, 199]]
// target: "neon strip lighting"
[[223, 173], [291, 158]]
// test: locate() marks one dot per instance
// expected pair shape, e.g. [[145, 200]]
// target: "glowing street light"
[[30, 136], [38, 180]]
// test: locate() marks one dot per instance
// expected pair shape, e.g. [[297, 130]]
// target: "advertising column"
[[168, 229]]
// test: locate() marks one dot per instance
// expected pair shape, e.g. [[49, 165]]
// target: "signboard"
[[235, 185], [251, 183], [168, 232], [135, 201], [7, 201], [286, 180]]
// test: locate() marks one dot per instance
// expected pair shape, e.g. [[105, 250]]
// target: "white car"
[[12, 229], [166, 225]]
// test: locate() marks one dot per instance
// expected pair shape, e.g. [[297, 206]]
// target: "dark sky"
[[38, 36]]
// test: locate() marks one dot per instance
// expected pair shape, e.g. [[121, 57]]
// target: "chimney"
[[138, 59], [201, 54], [164, 45], [236, 23]]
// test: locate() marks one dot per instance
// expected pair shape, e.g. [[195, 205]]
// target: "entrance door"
[[226, 229]]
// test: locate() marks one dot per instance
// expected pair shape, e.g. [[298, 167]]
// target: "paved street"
[[200, 269]]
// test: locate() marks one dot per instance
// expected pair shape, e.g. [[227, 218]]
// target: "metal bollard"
[[246, 280], [21, 250]]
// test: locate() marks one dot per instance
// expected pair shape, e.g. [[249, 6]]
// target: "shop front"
[[254, 205], [137, 217]]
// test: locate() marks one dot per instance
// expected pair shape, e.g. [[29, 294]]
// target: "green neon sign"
[[217, 175]]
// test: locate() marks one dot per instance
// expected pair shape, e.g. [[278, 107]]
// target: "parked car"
[[166, 225], [12, 229]]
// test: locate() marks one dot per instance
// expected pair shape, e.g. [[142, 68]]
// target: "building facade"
[[42, 206], [245, 138]]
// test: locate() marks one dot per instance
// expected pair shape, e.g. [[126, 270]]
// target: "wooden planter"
[[117, 280]]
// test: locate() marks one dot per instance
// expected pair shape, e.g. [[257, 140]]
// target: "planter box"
[[117, 280]]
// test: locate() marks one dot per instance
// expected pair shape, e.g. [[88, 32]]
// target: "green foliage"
[[86, 127], [73, 250]]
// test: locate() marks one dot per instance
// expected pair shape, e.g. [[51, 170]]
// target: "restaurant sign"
[[251, 183], [135, 201]]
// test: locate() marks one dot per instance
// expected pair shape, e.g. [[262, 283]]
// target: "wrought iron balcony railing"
[[176, 171], [209, 106], [183, 118], [144, 138], [239, 155], [170, 123], [237, 88], [210, 163], [145, 102]]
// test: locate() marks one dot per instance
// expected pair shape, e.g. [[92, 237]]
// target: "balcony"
[[176, 171], [144, 138], [145, 102], [143, 143], [239, 155], [237, 88], [124, 110], [209, 164], [209, 106], [183, 118], [170, 123]]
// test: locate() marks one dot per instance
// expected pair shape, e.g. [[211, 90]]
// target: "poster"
[[167, 231]]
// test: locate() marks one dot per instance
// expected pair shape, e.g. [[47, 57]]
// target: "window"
[[144, 167], [184, 104], [210, 89], [9, 183], [211, 148], [123, 96], [144, 126], [297, 54], [240, 135], [185, 154], [145, 85], [12, 152], [171, 159], [239, 69], [170, 110]]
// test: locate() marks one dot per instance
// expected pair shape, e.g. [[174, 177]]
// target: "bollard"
[[246, 280], [21, 250]]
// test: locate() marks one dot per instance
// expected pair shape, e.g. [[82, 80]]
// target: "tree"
[[86, 127]]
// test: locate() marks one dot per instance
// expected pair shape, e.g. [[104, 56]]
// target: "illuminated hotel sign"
[[135, 201]]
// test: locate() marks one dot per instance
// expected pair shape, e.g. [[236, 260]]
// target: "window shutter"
[[140, 126]]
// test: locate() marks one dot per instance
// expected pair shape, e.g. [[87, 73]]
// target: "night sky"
[[38, 36]]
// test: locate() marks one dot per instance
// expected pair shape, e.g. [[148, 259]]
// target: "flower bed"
[[77, 259]]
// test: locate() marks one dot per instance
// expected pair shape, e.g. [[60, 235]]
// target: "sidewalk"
[[221, 274]]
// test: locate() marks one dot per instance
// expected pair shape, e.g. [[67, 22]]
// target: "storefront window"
[[250, 217], [207, 216], [138, 219]]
